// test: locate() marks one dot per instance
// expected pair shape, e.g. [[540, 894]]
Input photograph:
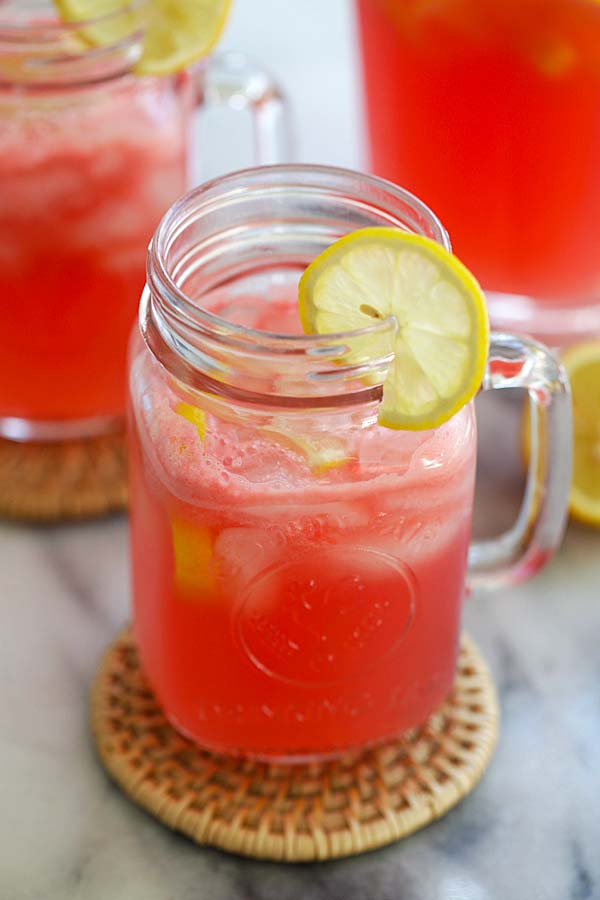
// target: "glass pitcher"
[[298, 570], [91, 156], [488, 109]]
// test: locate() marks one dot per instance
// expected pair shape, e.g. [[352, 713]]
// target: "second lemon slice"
[[441, 342]]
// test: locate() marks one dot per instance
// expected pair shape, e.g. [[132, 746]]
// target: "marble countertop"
[[530, 830]]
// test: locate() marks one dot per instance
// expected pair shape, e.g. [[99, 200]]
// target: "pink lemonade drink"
[[90, 157], [298, 569], [301, 600]]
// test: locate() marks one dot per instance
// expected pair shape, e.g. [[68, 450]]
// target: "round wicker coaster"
[[292, 813], [50, 482]]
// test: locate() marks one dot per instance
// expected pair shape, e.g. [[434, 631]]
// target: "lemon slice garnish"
[[582, 363], [176, 32], [441, 342]]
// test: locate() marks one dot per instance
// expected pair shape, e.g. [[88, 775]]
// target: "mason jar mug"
[[298, 570]]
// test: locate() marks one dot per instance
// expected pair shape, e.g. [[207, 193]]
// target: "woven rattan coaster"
[[50, 482], [292, 813]]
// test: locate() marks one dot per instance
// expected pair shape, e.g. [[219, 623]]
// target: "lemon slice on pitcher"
[[441, 342], [176, 32]]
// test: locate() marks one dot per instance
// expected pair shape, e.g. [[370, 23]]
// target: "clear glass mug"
[[90, 158], [463, 98], [298, 570]]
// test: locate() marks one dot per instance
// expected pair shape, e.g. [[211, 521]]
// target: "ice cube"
[[413, 539], [242, 553]]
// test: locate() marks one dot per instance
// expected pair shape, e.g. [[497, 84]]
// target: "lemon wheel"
[[441, 341]]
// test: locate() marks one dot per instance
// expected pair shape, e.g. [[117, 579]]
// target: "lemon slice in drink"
[[441, 342], [176, 32], [329, 452], [582, 363], [194, 415], [195, 572]]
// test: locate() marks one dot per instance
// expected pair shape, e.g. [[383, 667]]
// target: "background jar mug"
[[91, 156]]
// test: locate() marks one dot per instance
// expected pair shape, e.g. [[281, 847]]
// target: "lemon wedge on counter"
[[582, 363]]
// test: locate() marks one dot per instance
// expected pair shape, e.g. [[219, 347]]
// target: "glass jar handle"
[[523, 549], [231, 79]]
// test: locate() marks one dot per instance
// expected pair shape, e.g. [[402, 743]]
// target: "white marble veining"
[[530, 831]]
